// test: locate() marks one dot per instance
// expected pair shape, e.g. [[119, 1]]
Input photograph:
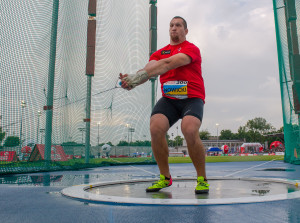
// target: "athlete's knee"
[[159, 126], [157, 130], [190, 133], [190, 126], [189, 129]]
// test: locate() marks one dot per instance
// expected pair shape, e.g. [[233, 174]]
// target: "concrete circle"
[[222, 191]]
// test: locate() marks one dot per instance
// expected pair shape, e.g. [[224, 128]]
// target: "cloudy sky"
[[238, 46]]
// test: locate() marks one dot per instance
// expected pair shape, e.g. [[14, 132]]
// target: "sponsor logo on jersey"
[[164, 52]]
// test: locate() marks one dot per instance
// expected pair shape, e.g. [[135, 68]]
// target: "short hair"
[[184, 22]]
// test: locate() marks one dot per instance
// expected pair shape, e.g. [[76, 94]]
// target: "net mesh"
[[119, 118], [287, 23]]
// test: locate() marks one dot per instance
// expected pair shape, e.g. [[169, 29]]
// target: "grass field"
[[215, 159], [38, 166], [209, 159]]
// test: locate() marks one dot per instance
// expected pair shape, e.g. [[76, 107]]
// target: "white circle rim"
[[80, 192]]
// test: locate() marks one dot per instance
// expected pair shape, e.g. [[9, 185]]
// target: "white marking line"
[[248, 168], [144, 170], [138, 168]]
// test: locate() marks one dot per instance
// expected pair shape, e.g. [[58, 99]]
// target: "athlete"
[[179, 66]]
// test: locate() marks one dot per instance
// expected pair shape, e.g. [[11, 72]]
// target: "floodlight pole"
[[98, 138], [39, 113], [217, 124], [90, 70], [23, 105]]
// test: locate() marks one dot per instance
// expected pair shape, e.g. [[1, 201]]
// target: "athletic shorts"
[[177, 109]]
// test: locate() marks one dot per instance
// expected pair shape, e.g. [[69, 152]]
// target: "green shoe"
[[160, 184], [202, 186]]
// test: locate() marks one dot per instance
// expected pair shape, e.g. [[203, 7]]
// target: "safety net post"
[[90, 70], [286, 14], [49, 107], [153, 47]]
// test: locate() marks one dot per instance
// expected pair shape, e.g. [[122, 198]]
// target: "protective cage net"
[[119, 132], [287, 23]]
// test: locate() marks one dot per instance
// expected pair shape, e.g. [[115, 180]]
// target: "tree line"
[[255, 130]]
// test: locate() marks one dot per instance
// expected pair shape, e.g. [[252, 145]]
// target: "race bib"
[[176, 89]]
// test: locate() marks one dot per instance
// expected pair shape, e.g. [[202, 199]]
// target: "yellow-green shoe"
[[160, 184], [202, 186]]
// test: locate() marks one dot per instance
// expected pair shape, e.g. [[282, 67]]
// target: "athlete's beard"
[[175, 38]]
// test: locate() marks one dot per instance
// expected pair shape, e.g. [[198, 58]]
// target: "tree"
[[280, 130], [255, 130], [109, 143], [169, 140], [259, 125], [12, 141], [136, 143], [242, 134], [122, 143], [178, 141], [168, 137], [226, 134], [70, 143], [204, 135], [2, 135], [255, 136], [141, 143]]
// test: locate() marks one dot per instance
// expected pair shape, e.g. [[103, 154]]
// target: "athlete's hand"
[[124, 83], [131, 81]]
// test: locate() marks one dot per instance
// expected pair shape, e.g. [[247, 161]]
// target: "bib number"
[[176, 89]]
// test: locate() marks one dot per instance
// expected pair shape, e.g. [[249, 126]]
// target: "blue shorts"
[[177, 109]]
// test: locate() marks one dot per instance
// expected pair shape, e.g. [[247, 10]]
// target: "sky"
[[237, 42]]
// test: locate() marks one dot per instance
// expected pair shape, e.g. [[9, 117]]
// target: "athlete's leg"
[[190, 126], [159, 125]]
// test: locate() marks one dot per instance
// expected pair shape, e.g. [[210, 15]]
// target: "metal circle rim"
[[79, 192]]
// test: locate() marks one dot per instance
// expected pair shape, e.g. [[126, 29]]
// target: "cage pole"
[[90, 70], [153, 47], [49, 107], [153, 43]]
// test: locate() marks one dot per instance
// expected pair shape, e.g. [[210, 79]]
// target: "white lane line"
[[144, 170], [249, 168], [138, 168]]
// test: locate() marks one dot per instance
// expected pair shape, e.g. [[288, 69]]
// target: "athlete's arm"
[[154, 68]]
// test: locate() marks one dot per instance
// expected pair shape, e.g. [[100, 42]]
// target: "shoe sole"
[[201, 191], [155, 189]]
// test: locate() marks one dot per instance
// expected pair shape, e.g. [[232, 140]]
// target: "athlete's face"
[[177, 30]]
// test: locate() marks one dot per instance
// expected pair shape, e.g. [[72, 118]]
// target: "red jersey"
[[185, 81]]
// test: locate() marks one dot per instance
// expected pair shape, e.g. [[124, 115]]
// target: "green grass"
[[132, 160], [109, 160], [23, 167], [215, 159]]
